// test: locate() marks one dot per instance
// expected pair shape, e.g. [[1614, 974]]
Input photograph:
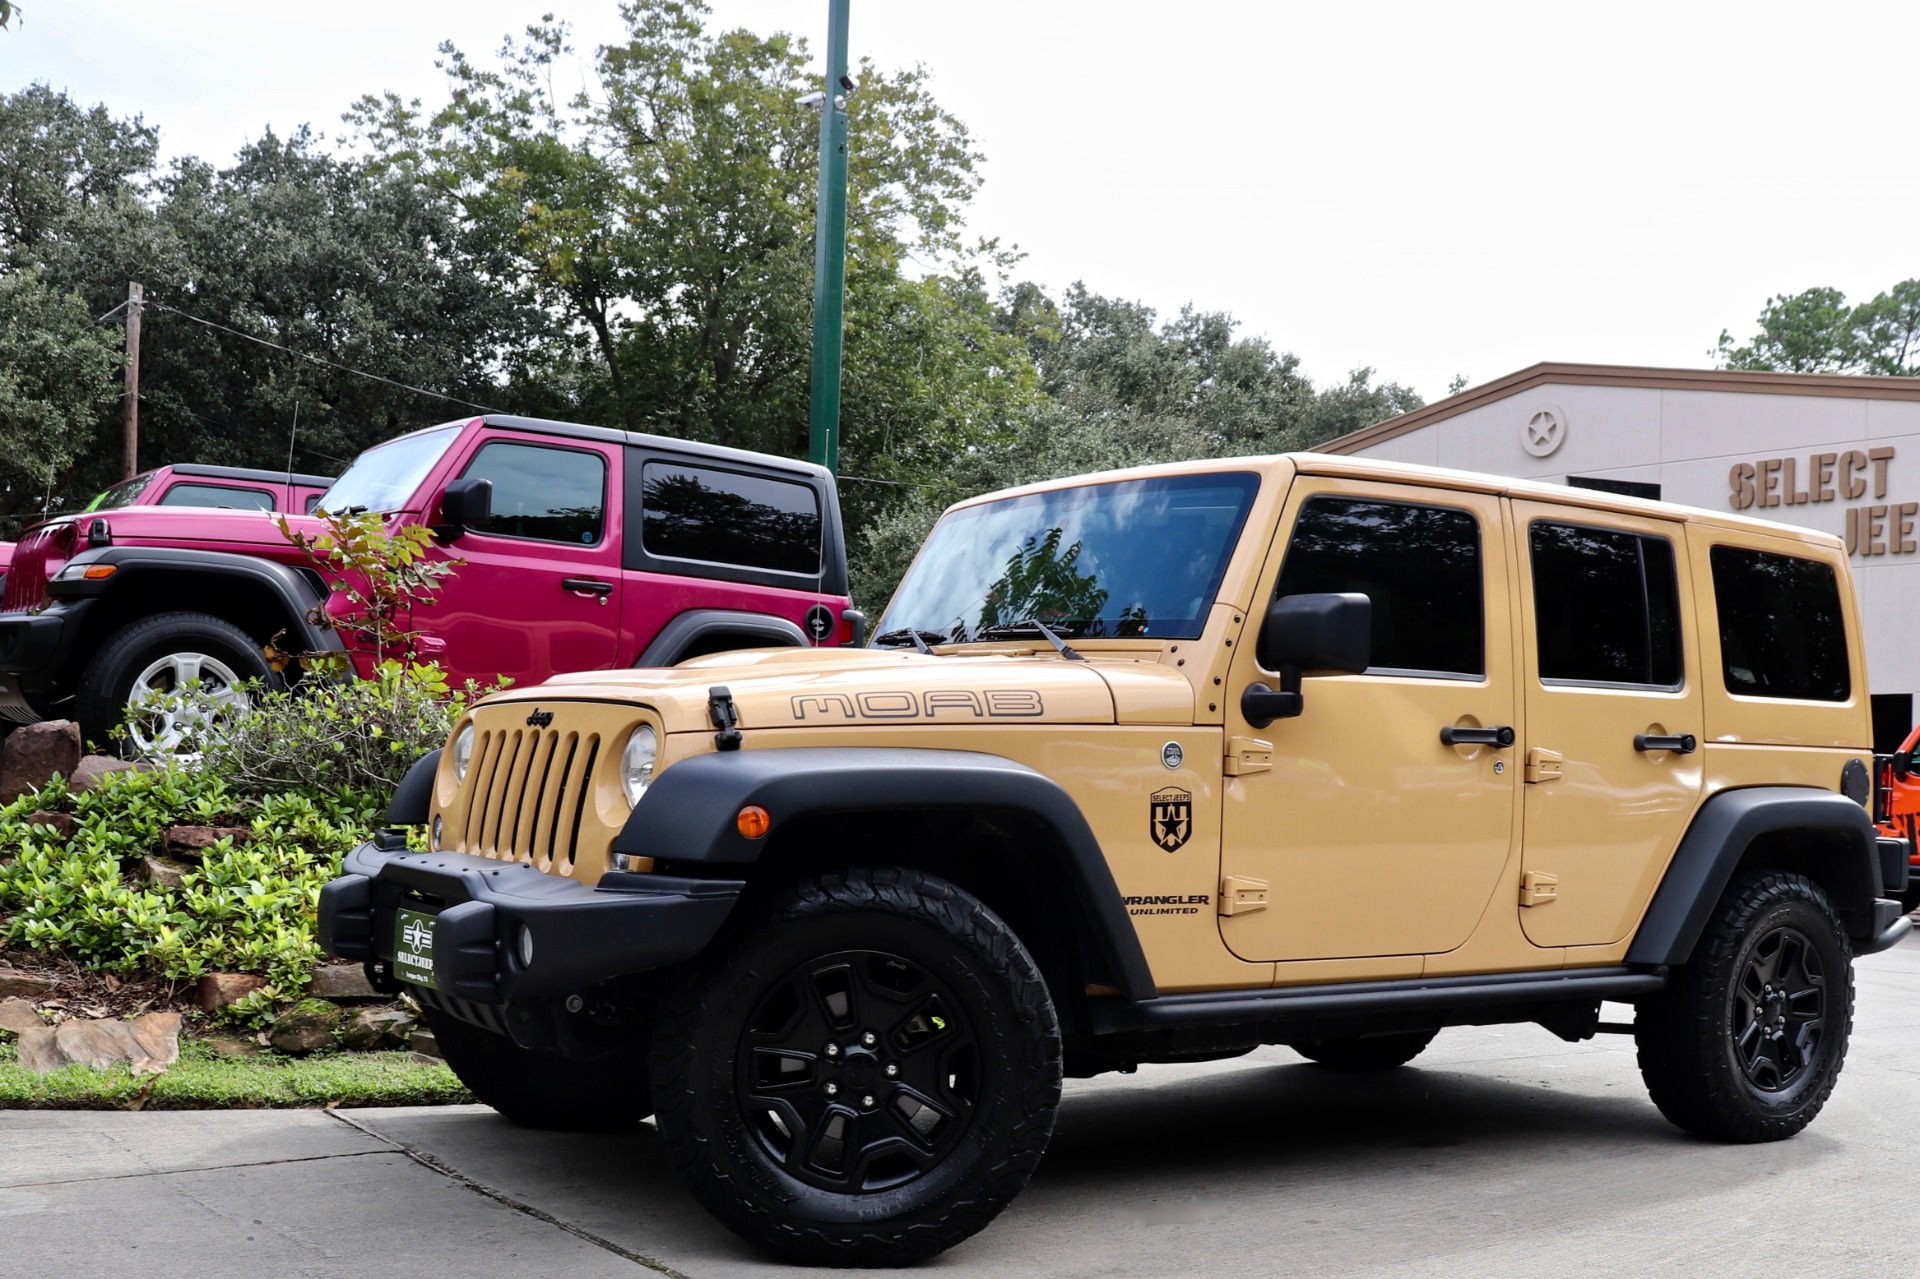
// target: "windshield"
[[385, 476], [125, 493], [1134, 557]]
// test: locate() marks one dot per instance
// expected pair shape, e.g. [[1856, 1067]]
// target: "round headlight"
[[462, 753], [636, 765]]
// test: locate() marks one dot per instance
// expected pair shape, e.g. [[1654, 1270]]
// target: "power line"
[[372, 377]]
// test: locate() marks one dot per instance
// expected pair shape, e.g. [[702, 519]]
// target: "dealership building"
[[1834, 453]]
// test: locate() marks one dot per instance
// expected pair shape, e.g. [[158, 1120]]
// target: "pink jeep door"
[[539, 593]]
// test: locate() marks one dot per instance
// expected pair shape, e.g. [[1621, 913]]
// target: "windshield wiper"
[[891, 639], [1007, 630]]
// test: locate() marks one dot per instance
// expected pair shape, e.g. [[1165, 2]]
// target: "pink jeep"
[[187, 484], [586, 549]]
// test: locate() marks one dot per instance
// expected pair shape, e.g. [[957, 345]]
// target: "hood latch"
[[721, 710]]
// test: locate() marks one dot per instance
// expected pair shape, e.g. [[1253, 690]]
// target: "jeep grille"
[[527, 797], [36, 558]]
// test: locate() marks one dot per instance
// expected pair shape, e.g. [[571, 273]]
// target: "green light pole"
[[830, 248]]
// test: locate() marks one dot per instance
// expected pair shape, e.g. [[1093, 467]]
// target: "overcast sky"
[[1426, 189]]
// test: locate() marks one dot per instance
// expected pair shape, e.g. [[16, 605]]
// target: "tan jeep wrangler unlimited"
[[1153, 766]]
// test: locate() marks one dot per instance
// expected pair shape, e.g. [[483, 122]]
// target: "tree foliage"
[[1819, 332], [625, 238]]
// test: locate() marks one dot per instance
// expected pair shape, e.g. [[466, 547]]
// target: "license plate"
[[413, 947]]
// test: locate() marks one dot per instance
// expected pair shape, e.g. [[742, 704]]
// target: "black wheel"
[[544, 1089], [1747, 1041], [865, 1074], [1374, 1052], [164, 654]]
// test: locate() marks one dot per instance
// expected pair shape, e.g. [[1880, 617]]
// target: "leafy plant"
[[384, 575]]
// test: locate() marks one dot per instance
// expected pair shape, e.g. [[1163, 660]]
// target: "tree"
[[664, 216], [1818, 332], [57, 376]]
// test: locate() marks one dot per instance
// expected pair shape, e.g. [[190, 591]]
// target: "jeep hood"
[[795, 687], [195, 526]]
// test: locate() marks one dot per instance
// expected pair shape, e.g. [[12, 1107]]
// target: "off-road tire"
[[544, 1089], [1373, 1052], [107, 680], [947, 951], [1690, 1037]]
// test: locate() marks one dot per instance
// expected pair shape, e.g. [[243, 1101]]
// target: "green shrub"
[[247, 906], [343, 743]]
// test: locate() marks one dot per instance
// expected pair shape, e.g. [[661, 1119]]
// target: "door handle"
[[1679, 744], [1499, 737], [590, 585]]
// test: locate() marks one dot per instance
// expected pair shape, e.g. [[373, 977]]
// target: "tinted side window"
[[1606, 606], [1781, 630], [1420, 565], [692, 513], [217, 495], [547, 494]]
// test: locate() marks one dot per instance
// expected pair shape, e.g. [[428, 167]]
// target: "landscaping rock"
[[163, 872], [158, 1035], [91, 768], [217, 990], [65, 823], [17, 1016], [98, 1044], [39, 1053], [192, 842], [373, 1028], [306, 1027], [231, 1046], [29, 985], [33, 753], [341, 981], [424, 1043]]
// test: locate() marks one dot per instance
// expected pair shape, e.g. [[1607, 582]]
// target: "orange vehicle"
[[1900, 813]]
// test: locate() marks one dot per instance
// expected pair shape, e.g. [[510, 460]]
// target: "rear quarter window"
[[218, 495], [724, 517], [1782, 631]]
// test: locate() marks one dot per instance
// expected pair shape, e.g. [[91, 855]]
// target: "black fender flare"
[[413, 797], [687, 816], [1718, 838], [680, 633], [295, 592]]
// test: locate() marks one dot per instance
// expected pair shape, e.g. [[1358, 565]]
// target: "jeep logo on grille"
[[539, 719]]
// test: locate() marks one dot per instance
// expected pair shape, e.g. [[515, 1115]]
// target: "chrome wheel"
[[176, 700]]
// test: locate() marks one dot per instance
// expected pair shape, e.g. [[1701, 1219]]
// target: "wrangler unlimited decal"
[[1163, 905], [997, 703]]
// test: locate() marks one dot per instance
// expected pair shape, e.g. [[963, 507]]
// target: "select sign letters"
[[1850, 475]]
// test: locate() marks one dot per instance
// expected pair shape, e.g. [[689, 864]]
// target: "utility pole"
[[134, 295], [830, 248]]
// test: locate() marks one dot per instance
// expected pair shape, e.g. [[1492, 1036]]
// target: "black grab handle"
[[1501, 736], [1679, 744]]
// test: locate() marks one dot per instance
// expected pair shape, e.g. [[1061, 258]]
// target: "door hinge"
[[1248, 755], [1537, 889], [1543, 765], [1242, 896]]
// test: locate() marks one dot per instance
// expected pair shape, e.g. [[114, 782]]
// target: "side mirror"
[[1332, 632], [1903, 763], [465, 504]]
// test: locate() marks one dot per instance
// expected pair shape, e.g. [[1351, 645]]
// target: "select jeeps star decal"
[[1171, 818], [539, 719]]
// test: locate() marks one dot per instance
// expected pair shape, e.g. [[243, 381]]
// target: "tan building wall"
[[1840, 454]]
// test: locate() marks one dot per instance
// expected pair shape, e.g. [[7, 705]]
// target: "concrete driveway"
[[1501, 1151]]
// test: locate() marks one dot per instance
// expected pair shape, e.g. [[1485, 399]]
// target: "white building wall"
[[1688, 442]]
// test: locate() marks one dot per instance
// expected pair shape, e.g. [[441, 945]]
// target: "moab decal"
[[1171, 817], [940, 703]]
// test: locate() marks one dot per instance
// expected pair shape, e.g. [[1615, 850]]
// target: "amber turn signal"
[[97, 571], [753, 821]]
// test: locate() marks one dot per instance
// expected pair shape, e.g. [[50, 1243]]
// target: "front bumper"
[[34, 644], [581, 935]]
